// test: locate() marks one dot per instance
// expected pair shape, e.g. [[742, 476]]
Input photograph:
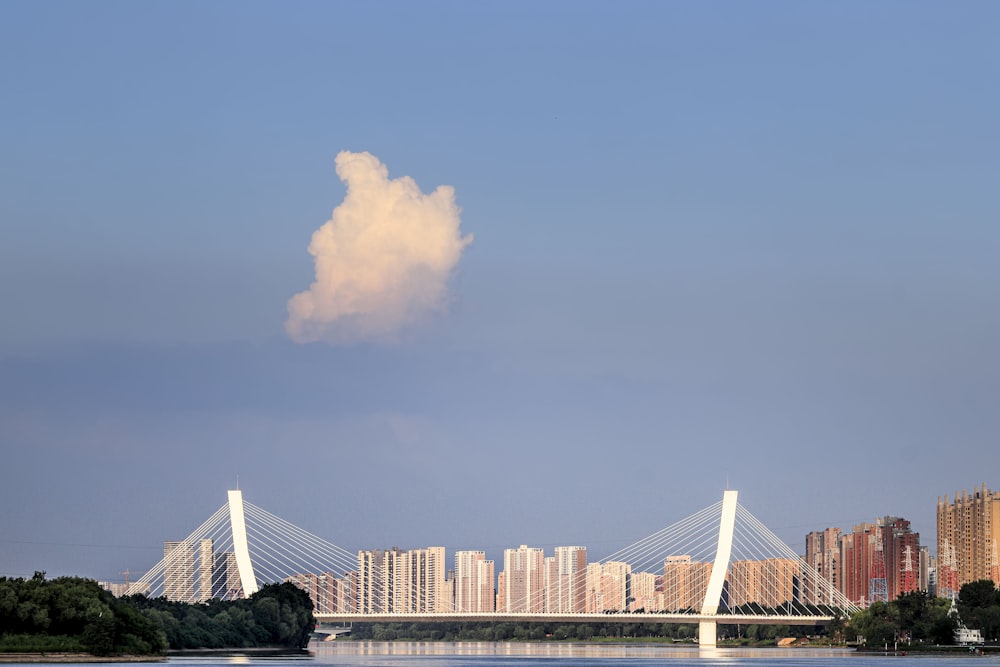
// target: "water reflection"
[[562, 650], [549, 654]]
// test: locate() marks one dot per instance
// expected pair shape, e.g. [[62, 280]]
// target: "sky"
[[479, 275]]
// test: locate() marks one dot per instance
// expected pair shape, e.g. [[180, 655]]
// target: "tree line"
[[588, 631], [917, 618], [914, 619], [71, 614]]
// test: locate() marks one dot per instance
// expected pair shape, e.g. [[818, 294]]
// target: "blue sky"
[[743, 243]]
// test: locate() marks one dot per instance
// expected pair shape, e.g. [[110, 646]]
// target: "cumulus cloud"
[[383, 260]]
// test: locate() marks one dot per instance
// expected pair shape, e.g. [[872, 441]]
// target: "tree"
[[978, 594], [70, 613]]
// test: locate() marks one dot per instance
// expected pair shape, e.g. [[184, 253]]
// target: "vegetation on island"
[[74, 615], [278, 615], [609, 630], [979, 607], [916, 619], [71, 614], [913, 620]]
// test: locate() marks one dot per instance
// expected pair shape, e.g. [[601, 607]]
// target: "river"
[[551, 654]]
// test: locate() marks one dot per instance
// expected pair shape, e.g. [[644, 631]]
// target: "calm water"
[[481, 654]]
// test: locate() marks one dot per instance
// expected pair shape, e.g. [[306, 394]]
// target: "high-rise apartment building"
[[857, 559], [347, 593], [645, 592], [501, 604], [769, 583], [190, 571], [322, 590], [178, 572], [927, 565], [226, 584], [566, 580], [608, 586], [524, 579], [968, 540], [873, 562], [423, 586], [372, 587], [685, 583], [398, 581], [206, 562], [473, 579], [823, 557], [901, 551]]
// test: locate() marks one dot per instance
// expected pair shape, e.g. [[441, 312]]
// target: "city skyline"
[[482, 275], [761, 569], [874, 561], [494, 549]]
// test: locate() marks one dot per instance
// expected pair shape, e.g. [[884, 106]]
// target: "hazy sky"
[[625, 254]]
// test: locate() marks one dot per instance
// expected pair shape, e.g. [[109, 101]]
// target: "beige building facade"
[[474, 576], [398, 581], [685, 583], [566, 580], [524, 579], [769, 583], [178, 572], [608, 586], [968, 539], [823, 557]]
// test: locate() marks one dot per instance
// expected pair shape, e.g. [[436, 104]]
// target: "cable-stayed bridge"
[[718, 566]]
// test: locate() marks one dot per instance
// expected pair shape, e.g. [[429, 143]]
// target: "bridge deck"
[[499, 617]]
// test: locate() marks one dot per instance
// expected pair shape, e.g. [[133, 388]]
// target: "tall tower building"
[[857, 556], [901, 550], [968, 540], [322, 590], [823, 557], [927, 564], [206, 563], [371, 582], [421, 581], [772, 582], [226, 584], [524, 578], [608, 586], [347, 593], [474, 576], [178, 574], [566, 580], [398, 581], [685, 583], [644, 592]]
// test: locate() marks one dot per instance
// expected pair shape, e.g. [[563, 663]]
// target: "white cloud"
[[383, 260]]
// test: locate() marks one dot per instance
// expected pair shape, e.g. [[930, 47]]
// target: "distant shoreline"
[[55, 657]]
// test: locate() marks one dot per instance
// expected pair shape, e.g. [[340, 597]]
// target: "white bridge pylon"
[[719, 566], [238, 549], [723, 566], [237, 520], [708, 631]]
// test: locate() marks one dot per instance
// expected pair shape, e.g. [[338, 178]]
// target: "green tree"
[[70, 613], [977, 595]]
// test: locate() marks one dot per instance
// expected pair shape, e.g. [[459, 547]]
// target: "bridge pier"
[[708, 634]]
